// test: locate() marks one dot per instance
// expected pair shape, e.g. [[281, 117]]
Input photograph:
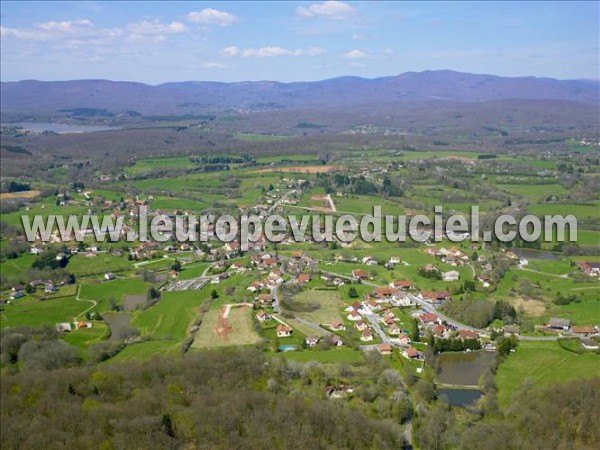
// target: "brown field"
[[133, 302], [24, 194], [236, 330], [301, 169], [534, 308]]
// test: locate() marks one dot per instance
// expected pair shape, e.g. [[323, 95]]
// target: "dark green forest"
[[243, 399]]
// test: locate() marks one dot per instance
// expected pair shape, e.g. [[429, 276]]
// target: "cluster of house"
[[65, 327], [274, 278], [18, 290], [590, 268], [453, 257], [584, 332]]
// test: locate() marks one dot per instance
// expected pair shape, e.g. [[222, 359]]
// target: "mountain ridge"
[[183, 97]]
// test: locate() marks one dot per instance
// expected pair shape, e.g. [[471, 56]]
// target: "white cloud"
[[267, 52], [363, 37], [214, 65], [355, 54], [51, 30], [155, 28], [82, 32], [68, 26], [212, 16], [330, 9]]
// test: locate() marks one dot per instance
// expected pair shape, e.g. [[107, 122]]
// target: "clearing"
[[230, 325]]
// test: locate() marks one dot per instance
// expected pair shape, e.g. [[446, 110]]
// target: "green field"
[[145, 350], [115, 289], [151, 164], [172, 316], [252, 137], [544, 363], [579, 211], [329, 302], [333, 356], [36, 312], [81, 265]]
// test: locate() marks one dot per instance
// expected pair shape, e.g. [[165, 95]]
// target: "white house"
[[452, 275]]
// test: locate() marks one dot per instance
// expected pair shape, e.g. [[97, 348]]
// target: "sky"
[[156, 42]]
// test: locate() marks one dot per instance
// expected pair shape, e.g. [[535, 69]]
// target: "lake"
[[61, 128], [459, 397], [463, 368]]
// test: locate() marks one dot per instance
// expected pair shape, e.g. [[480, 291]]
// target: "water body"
[[61, 128], [530, 253], [459, 397], [287, 348], [463, 368]]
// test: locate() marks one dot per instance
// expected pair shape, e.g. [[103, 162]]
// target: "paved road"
[[430, 308]]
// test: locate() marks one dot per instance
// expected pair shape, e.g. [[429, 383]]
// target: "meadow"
[[543, 362], [241, 331], [37, 312], [329, 303]]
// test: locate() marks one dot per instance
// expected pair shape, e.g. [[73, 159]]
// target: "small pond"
[[463, 368], [287, 348], [459, 397]]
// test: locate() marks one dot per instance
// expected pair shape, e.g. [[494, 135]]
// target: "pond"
[[530, 253], [463, 368], [61, 128], [287, 348], [459, 397]]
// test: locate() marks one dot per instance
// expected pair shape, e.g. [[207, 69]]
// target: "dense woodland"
[[243, 399]]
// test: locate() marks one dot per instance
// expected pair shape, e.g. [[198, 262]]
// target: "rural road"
[[77, 299], [429, 308]]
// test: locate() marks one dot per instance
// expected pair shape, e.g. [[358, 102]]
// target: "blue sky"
[[155, 42]]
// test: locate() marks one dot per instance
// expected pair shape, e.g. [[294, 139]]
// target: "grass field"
[[250, 137], [535, 192], [83, 338], [329, 301], [333, 356], [280, 158], [579, 211], [115, 289], [172, 316], [81, 265], [148, 165], [36, 312], [194, 270], [363, 204], [240, 333], [145, 350], [545, 363]]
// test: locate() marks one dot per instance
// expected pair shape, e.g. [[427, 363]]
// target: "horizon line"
[[597, 80]]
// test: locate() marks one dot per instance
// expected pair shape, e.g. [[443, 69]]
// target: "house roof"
[[558, 323], [412, 352], [360, 273], [583, 329], [468, 334], [303, 278], [383, 291], [428, 317]]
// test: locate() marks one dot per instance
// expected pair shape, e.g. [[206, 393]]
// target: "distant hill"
[[187, 97]]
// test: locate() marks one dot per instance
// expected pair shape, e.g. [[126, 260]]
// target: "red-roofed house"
[[359, 274], [411, 353], [401, 284]]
